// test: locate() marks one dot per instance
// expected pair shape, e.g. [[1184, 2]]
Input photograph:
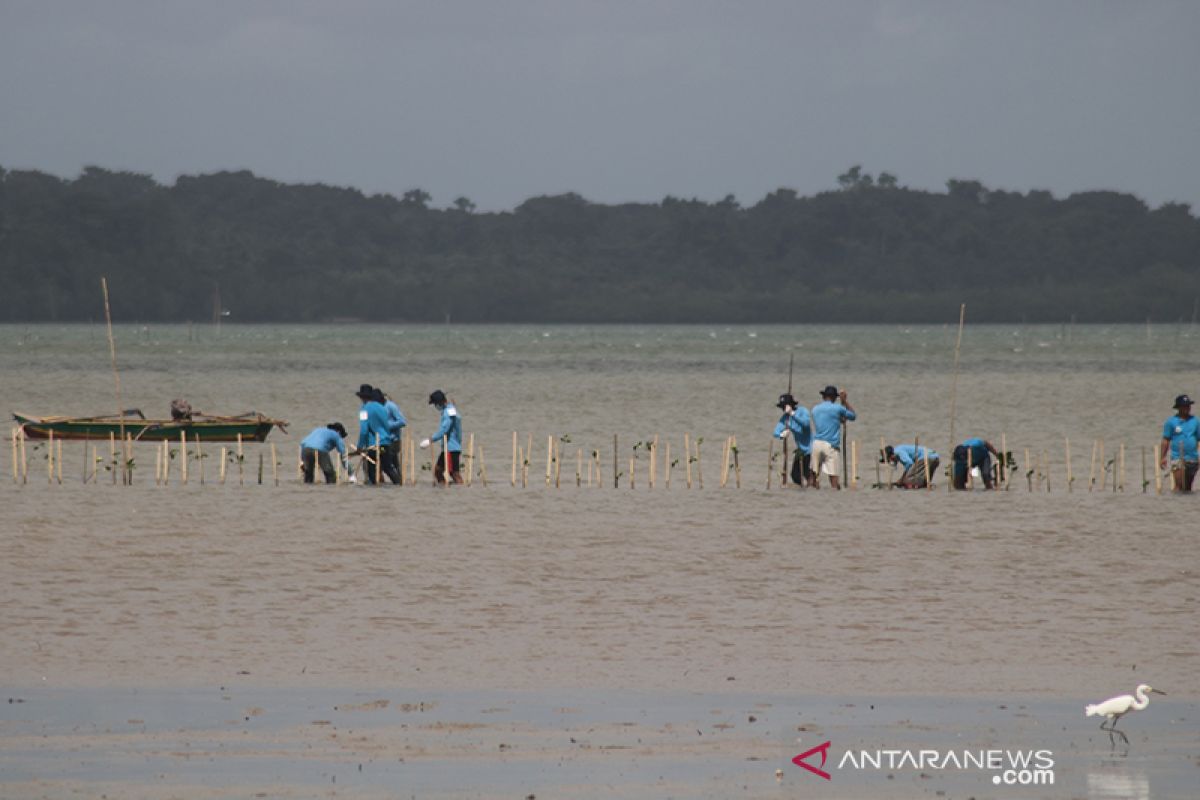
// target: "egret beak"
[[1156, 691]]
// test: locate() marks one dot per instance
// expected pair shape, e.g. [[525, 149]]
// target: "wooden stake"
[[183, 457], [1070, 474], [770, 462], [50, 459], [129, 459], [1046, 469], [471, 458], [616, 474], [667, 458], [224, 460], [274, 463], [591, 464], [724, 464], [737, 466], [632, 474], [1030, 468], [1092, 468], [928, 477], [687, 450], [158, 466], [25, 460]]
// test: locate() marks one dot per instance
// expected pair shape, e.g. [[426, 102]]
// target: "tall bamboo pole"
[[962, 313], [112, 350], [471, 458], [274, 464], [687, 458]]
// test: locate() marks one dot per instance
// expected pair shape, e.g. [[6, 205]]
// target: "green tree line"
[[867, 250]]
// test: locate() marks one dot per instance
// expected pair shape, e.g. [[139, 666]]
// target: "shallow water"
[[789, 593]]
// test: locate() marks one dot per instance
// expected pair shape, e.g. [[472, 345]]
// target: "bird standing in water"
[[1114, 708]]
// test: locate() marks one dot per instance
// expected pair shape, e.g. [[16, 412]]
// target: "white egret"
[[1114, 708]]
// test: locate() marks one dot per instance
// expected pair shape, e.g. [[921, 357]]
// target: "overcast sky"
[[618, 100]]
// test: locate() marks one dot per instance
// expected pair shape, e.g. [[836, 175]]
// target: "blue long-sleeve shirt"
[[827, 421], [372, 422], [326, 441], [396, 419], [800, 424], [451, 428], [911, 454]]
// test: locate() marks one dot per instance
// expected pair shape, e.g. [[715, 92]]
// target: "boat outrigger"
[[252, 426]]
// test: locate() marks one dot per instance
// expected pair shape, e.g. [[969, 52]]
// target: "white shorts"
[[826, 458]]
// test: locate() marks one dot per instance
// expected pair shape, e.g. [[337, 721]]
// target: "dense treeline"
[[869, 251]]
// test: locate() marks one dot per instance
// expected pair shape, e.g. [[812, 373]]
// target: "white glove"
[[783, 434], [354, 479], [424, 444]]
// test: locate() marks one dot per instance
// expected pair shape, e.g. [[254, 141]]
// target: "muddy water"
[[1084, 593]]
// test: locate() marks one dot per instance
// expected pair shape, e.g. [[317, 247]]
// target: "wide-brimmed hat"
[[437, 398], [365, 392], [829, 391], [1182, 400], [337, 428], [786, 400]]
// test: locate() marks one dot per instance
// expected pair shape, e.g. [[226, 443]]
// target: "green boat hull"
[[251, 429]]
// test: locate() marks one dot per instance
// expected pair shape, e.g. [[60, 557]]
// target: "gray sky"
[[618, 100]]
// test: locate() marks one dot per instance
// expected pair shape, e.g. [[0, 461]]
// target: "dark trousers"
[[801, 468], [311, 458], [439, 472], [387, 467], [391, 458]]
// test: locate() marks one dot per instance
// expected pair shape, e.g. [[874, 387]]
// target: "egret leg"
[[1112, 728]]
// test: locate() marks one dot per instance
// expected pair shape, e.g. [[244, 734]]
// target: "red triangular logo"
[[823, 749]]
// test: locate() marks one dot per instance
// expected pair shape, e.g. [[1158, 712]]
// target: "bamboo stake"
[[183, 457], [737, 466], [1070, 474], [687, 449], [158, 466], [616, 475], [1158, 481], [578, 467], [482, 467], [962, 313], [224, 460], [1004, 458], [770, 462], [724, 464], [241, 458], [1122, 461], [25, 459], [632, 474], [591, 464], [445, 462], [1092, 468], [112, 449], [654, 462], [274, 464], [557, 464], [1145, 484], [854, 464], [928, 477], [878, 468], [667, 458], [514, 461], [112, 350], [471, 459], [50, 459]]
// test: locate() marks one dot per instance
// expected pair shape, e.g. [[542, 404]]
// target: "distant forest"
[[868, 250]]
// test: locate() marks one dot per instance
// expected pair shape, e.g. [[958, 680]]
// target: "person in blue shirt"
[[970, 454], [827, 417], [395, 422], [316, 447], [797, 422], [911, 458], [1180, 435], [451, 431], [374, 435]]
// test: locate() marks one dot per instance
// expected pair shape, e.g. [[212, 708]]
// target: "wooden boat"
[[253, 427]]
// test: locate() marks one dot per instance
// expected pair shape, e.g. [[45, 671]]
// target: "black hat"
[[337, 428], [1182, 400], [377, 395], [887, 454], [829, 391], [786, 400], [365, 391], [438, 398]]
